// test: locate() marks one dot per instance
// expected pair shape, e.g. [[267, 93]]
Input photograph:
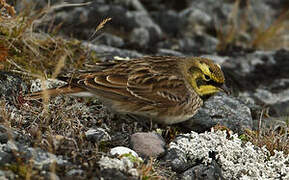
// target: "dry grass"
[[37, 54], [238, 32], [273, 138], [10, 9], [99, 27], [275, 36], [228, 36], [151, 170], [59, 130]]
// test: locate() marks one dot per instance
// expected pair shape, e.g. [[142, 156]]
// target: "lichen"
[[238, 160], [124, 164]]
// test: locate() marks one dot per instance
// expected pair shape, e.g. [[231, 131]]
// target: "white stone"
[[124, 165], [121, 150]]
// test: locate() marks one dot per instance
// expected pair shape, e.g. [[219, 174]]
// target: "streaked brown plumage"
[[166, 89]]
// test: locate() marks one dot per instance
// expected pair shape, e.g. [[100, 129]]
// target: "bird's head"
[[204, 76]]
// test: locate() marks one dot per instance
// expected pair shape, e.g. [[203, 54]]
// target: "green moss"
[[22, 170], [104, 146], [132, 158], [244, 138]]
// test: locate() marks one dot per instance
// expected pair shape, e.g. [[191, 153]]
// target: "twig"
[[100, 26]]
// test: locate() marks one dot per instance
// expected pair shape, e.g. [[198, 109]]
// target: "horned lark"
[[167, 89]]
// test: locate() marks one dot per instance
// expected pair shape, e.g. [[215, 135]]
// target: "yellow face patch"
[[207, 90]]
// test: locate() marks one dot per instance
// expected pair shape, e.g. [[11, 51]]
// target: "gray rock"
[[42, 160], [50, 175], [75, 172], [107, 52], [220, 10], [169, 52], [112, 174], [277, 4], [198, 44], [6, 158], [109, 40], [279, 85], [142, 19], [208, 44], [224, 110], [127, 20], [78, 14], [270, 98], [2, 175], [262, 77], [97, 135], [260, 69], [5, 175], [12, 87], [197, 18], [187, 45], [136, 4], [170, 21], [248, 62], [45, 159], [140, 37], [278, 102], [11, 146], [12, 139], [5, 134], [203, 172], [177, 160], [36, 85], [176, 19], [148, 144]]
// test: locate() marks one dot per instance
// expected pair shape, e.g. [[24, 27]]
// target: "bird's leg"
[[151, 124]]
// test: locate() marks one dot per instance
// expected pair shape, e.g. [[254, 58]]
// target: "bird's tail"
[[67, 89]]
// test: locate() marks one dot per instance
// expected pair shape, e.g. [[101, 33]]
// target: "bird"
[[167, 89]]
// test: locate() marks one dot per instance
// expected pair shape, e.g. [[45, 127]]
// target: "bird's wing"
[[162, 90]]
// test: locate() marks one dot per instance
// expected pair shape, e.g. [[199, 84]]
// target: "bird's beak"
[[225, 89]]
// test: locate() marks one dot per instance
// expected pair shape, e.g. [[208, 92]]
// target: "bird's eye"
[[210, 69], [207, 78]]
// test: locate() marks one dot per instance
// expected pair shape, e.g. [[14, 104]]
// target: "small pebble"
[[148, 144]]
